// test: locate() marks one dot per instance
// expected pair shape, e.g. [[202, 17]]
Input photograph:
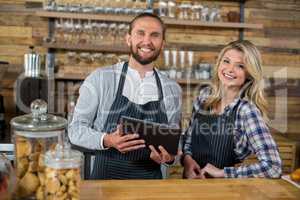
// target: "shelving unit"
[[65, 76], [126, 18]]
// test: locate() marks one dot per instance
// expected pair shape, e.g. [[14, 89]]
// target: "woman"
[[229, 121]]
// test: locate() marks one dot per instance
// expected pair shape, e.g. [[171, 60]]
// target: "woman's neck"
[[228, 96]]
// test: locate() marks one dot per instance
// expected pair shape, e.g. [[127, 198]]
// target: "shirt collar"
[[135, 73]]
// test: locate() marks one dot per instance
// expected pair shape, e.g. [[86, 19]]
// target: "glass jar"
[[171, 9], [33, 135], [62, 173]]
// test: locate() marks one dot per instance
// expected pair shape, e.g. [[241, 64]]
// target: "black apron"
[[112, 164], [213, 139]]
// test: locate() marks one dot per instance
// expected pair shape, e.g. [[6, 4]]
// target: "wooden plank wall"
[[279, 42]]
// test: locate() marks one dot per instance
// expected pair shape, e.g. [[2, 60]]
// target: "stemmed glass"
[[196, 12], [78, 30], [122, 31], [58, 29], [103, 30], [67, 30], [205, 14], [113, 30], [88, 31]]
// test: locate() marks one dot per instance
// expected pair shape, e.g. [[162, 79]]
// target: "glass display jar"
[[33, 135], [62, 174]]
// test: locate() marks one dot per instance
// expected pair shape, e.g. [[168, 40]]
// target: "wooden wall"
[[279, 42]]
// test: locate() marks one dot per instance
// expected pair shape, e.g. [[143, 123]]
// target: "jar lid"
[[38, 121], [63, 158]]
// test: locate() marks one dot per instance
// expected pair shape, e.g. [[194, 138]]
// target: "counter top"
[[212, 189]]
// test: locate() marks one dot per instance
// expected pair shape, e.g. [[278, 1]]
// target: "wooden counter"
[[218, 189]]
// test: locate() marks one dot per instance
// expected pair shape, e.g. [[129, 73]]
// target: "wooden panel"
[[15, 31]]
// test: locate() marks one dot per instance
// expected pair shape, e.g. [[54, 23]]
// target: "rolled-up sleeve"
[[81, 130], [259, 142]]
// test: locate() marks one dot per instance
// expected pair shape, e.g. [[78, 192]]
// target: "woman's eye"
[[241, 66], [226, 61]]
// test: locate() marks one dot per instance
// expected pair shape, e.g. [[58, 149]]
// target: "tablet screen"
[[153, 133]]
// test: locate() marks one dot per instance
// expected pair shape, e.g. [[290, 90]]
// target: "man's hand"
[[191, 168], [121, 142], [212, 171], [161, 157]]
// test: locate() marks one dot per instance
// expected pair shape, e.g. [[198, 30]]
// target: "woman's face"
[[231, 72]]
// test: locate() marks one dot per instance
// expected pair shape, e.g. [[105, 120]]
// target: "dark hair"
[[146, 14]]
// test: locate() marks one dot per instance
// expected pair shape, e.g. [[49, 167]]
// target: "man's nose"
[[147, 39]]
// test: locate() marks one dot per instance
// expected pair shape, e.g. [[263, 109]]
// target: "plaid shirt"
[[251, 136]]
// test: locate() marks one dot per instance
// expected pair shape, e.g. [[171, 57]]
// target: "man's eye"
[[155, 35], [140, 33]]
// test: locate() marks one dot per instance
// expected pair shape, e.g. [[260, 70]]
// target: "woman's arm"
[[257, 139]]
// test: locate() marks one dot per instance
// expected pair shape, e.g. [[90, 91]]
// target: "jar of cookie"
[[33, 135], [63, 173]]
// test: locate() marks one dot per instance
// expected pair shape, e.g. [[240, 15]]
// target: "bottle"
[[2, 119]]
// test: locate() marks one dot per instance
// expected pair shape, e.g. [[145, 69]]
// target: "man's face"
[[146, 40]]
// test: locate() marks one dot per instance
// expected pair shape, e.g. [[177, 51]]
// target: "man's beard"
[[142, 61]]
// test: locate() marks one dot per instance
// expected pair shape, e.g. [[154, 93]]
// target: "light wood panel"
[[213, 189]]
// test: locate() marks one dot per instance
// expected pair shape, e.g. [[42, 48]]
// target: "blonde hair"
[[253, 86]]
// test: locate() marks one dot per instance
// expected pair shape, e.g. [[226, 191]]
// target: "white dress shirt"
[[140, 90]]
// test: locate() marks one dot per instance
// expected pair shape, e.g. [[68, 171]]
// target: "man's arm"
[[80, 129]]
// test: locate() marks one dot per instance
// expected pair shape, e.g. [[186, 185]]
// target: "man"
[[135, 89]]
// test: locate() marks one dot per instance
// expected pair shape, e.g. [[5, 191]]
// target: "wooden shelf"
[[80, 77], [119, 48], [127, 18], [113, 48]]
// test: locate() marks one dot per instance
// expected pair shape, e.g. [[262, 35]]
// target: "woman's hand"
[[162, 157], [212, 171], [191, 168]]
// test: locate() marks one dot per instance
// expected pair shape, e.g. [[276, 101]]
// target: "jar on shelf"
[[172, 9], [33, 135], [62, 173]]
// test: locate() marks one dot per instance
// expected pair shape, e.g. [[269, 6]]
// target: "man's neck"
[[142, 69]]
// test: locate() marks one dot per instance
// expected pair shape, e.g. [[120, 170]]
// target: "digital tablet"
[[153, 133]]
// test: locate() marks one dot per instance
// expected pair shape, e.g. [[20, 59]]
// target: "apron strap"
[[122, 79]]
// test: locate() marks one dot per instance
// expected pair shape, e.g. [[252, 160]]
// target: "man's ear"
[[128, 39], [163, 44]]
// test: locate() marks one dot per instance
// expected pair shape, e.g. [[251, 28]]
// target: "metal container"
[[62, 174], [32, 64], [33, 135]]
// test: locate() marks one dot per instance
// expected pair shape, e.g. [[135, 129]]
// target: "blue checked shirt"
[[251, 136]]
